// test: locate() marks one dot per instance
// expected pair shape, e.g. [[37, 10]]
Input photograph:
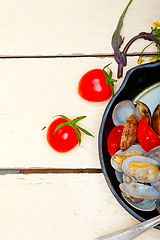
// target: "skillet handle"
[[132, 232]]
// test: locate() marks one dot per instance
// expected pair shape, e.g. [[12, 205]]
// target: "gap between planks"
[[4, 171], [76, 55]]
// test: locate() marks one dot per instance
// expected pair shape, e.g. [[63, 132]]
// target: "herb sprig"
[[117, 41]]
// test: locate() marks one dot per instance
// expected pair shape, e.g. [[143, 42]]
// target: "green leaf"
[[117, 38], [61, 125], [107, 77], [113, 80], [85, 131], [110, 74], [77, 119], [66, 118], [78, 135], [106, 66], [112, 90]]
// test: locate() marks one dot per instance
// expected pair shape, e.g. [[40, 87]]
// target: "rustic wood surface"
[[45, 47]]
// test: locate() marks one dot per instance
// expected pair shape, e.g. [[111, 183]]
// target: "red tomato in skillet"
[[96, 85], [64, 134], [113, 140], [146, 136]]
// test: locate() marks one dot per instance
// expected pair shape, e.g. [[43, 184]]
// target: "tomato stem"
[[109, 79]]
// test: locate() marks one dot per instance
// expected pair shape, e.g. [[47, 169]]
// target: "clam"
[[156, 120], [122, 111], [156, 185], [131, 199], [129, 133], [154, 153], [141, 169], [119, 157], [119, 176], [139, 190], [142, 110], [126, 178], [158, 205], [143, 205]]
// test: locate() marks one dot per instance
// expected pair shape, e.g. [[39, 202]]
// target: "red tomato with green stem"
[[114, 138], [146, 136], [96, 85], [64, 134]]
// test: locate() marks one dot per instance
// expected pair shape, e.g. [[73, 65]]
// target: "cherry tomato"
[[114, 138], [64, 139], [146, 136], [64, 134], [96, 85]]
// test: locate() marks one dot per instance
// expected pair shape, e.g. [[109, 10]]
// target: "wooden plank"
[[55, 27], [32, 92], [68, 206]]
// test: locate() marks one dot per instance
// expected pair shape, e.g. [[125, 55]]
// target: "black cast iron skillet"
[[135, 81]]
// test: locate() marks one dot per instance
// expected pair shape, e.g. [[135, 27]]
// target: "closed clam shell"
[[139, 190], [122, 111], [142, 110], [129, 133], [135, 149], [141, 169]]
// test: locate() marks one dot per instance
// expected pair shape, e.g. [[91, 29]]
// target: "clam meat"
[[120, 156], [141, 169]]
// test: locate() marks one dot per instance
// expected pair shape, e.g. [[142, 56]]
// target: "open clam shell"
[[144, 205], [141, 169], [139, 190], [135, 149], [156, 185], [154, 153], [122, 111]]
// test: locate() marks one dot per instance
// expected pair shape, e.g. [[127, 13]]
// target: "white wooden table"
[[45, 47]]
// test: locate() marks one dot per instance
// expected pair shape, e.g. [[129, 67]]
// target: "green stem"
[[146, 48]]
